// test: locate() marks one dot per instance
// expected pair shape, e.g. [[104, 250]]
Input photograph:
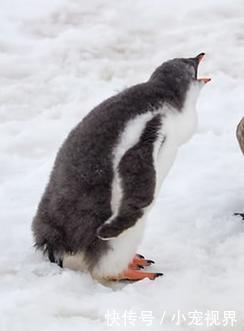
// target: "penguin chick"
[[109, 171]]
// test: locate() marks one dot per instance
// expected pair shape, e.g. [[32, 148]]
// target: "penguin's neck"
[[181, 124], [191, 97], [178, 126]]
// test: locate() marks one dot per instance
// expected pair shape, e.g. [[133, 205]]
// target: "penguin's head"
[[191, 65], [177, 76]]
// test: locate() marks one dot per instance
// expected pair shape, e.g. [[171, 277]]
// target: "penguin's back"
[[77, 199]]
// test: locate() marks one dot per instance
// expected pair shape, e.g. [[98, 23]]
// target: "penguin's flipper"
[[138, 180], [135, 275]]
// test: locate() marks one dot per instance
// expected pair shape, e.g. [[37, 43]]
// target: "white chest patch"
[[177, 128]]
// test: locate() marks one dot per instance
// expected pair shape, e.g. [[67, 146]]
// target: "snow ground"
[[60, 58]]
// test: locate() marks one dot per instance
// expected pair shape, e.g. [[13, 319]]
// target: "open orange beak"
[[204, 80], [200, 58]]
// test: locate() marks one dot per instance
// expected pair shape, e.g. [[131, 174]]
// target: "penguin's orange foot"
[[135, 266], [136, 275], [141, 261]]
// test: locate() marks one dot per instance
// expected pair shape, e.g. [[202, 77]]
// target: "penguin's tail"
[[48, 239]]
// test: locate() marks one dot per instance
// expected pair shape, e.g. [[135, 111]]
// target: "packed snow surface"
[[60, 58]]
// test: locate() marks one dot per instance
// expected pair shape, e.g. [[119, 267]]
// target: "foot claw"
[[150, 261], [139, 256], [134, 266], [142, 262]]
